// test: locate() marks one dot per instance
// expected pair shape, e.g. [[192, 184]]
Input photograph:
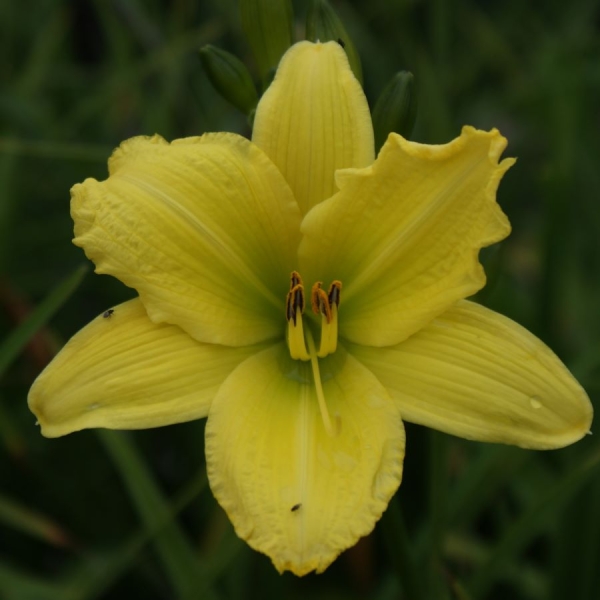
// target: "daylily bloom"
[[306, 297]]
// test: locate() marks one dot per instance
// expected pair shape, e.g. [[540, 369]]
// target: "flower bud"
[[323, 25], [396, 108], [268, 25], [230, 77]]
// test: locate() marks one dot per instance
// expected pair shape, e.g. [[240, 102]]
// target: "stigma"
[[325, 305]]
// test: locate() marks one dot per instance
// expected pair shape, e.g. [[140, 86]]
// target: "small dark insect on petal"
[[296, 507], [109, 313], [340, 41]]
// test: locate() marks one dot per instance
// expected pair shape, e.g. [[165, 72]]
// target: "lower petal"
[[477, 374], [124, 372], [292, 491]]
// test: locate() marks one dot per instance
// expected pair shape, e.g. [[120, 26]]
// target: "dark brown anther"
[[320, 302], [334, 293], [290, 313], [294, 303], [295, 279], [314, 297]]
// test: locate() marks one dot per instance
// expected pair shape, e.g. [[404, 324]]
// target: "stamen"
[[295, 279], [334, 296], [335, 290], [319, 301], [327, 306], [314, 363], [294, 307]]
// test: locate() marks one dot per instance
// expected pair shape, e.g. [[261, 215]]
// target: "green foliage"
[[115, 516]]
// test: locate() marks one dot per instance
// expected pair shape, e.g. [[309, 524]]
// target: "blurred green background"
[[111, 515]]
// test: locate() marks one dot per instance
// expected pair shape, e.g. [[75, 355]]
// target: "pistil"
[[314, 363]]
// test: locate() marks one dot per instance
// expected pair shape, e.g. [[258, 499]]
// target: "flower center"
[[301, 341], [323, 303]]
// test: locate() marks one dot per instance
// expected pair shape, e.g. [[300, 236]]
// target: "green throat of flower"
[[300, 339]]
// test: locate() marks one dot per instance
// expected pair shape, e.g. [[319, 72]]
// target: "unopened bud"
[[396, 108], [323, 25], [230, 77], [268, 25]]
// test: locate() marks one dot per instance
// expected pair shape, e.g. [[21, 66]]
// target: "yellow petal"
[[205, 229], [479, 375], [290, 490], [124, 372], [313, 120], [403, 235]]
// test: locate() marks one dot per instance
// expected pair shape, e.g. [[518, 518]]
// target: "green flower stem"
[[399, 550], [182, 564]]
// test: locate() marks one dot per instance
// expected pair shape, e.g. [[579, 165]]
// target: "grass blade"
[[182, 564], [528, 525], [95, 575], [399, 548], [31, 523], [20, 585], [18, 338]]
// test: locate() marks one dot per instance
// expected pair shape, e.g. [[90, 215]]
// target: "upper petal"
[[477, 374], [290, 490], [124, 372], [403, 235], [205, 229], [313, 120]]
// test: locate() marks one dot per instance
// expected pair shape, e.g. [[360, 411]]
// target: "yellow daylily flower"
[[305, 296]]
